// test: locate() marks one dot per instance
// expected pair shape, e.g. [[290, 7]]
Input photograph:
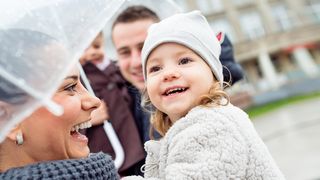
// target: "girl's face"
[[50, 137], [95, 52], [176, 78]]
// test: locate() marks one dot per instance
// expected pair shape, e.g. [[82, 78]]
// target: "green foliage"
[[260, 110]]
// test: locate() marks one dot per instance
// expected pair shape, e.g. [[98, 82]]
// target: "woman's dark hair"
[[18, 50], [10, 93]]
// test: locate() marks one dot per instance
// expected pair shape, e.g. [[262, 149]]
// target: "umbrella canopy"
[[40, 41]]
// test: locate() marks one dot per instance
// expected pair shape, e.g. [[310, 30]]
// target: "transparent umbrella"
[[40, 41]]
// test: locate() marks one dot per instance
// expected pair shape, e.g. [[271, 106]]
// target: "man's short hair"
[[134, 13]]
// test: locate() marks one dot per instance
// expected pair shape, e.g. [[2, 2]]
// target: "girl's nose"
[[171, 74], [94, 53]]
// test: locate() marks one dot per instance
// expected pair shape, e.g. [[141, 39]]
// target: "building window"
[[241, 2], [210, 6], [216, 5], [224, 26], [251, 25], [281, 17], [314, 10], [204, 6], [183, 5]]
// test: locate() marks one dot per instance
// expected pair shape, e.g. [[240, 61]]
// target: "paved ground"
[[292, 135]]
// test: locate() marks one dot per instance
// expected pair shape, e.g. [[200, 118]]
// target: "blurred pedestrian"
[[232, 71]]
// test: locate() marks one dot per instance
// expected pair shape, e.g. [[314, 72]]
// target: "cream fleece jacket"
[[210, 143]]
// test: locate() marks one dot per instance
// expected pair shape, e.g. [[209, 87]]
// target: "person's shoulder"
[[230, 109], [216, 114], [113, 68], [199, 116], [204, 110], [208, 117], [96, 165], [98, 156], [201, 123]]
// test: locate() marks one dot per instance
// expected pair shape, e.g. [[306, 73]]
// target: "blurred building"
[[277, 42]]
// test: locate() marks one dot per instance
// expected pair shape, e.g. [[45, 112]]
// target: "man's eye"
[[71, 88], [140, 46], [185, 61], [154, 69], [124, 54]]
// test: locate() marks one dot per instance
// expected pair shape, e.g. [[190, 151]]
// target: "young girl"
[[205, 137]]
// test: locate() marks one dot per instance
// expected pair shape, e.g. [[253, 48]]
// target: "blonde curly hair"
[[161, 122]]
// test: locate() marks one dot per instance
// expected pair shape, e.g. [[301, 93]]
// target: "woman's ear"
[[14, 134]]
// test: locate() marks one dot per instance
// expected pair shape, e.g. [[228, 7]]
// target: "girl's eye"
[[71, 88], [185, 61], [154, 69]]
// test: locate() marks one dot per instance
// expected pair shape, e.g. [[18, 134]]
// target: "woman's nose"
[[90, 102]]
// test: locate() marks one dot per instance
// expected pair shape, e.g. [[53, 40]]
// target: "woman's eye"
[[71, 88], [185, 61], [154, 69]]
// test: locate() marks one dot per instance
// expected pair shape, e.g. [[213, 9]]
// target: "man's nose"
[[136, 59]]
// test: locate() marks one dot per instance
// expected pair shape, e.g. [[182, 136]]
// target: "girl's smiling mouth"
[[174, 90]]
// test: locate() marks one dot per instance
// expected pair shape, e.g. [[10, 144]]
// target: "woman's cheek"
[[71, 107]]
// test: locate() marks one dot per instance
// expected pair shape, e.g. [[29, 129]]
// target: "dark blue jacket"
[[141, 116], [232, 71]]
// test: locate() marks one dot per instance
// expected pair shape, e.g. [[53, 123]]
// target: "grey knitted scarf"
[[96, 166]]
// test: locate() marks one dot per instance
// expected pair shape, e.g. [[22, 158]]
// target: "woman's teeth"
[[83, 125]]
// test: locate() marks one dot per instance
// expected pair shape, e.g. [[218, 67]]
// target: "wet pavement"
[[292, 135]]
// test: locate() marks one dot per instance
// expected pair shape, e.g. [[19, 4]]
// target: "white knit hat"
[[191, 30]]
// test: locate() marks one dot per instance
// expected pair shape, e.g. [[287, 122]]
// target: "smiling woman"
[[60, 134], [43, 141]]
